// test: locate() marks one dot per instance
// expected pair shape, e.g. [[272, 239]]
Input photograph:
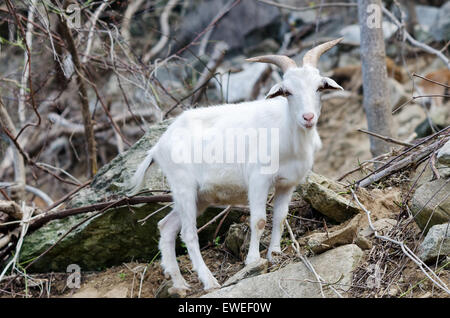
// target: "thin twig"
[[388, 139], [296, 247], [430, 80], [312, 7], [93, 22], [226, 210], [165, 31]]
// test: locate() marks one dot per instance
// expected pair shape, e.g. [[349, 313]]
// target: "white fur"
[[196, 186]]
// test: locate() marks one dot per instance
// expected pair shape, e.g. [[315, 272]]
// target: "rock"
[[423, 173], [296, 281], [426, 16], [261, 48], [434, 21], [424, 128], [239, 86], [430, 204], [248, 23], [324, 195], [352, 36], [235, 239], [120, 291], [350, 58], [440, 115], [321, 242], [441, 27], [302, 17], [382, 226], [443, 155], [363, 243], [436, 243], [408, 119], [397, 94], [115, 236], [251, 270]]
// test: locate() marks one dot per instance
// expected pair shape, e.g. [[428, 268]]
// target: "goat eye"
[[286, 93], [280, 92]]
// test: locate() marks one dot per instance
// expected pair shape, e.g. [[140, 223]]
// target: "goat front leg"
[[280, 210], [257, 197]]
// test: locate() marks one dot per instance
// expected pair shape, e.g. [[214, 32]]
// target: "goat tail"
[[137, 181]]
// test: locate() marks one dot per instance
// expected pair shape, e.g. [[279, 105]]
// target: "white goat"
[[289, 115]]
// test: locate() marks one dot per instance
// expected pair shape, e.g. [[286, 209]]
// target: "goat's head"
[[301, 85]]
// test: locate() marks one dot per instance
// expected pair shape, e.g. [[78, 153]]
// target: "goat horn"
[[312, 56], [282, 61]]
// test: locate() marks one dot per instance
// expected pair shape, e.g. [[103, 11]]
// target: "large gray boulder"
[[115, 236], [296, 280], [430, 204], [440, 29], [433, 23], [247, 24]]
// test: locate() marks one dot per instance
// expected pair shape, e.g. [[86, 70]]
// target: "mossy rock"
[[327, 197]]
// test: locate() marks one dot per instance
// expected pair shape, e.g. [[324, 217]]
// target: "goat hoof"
[[275, 257], [212, 286], [252, 260], [168, 290], [178, 292]]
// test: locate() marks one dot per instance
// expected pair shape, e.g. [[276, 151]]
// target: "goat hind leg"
[[188, 216], [169, 228]]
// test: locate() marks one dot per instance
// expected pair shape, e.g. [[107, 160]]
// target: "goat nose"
[[308, 116]]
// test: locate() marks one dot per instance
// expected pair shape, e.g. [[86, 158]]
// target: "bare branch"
[[125, 29], [216, 58], [413, 41], [388, 139], [19, 164], [93, 22], [88, 126], [26, 67], [165, 31]]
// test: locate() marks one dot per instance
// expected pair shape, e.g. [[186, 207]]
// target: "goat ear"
[[328, 83], [278, 90]]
